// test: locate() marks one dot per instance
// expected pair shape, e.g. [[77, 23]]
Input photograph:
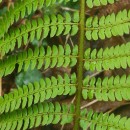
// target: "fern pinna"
[[34, 104], [39, 28]]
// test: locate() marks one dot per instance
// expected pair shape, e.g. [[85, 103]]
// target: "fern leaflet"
[[95, 121], [113, 88], [52, 57], [110, 58], [106, 27], [53, 113], [40, 28], [41, 114], [20, 9], [38, 92]]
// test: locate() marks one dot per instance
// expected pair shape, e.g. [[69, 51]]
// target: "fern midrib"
[[79, 67], [108, 88], [36, 91], [104, 27], [109, 58], [3, 43]]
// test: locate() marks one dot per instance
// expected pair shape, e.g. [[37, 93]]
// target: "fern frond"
[[41, 114], [92, 3], [52, 57], [106, 27], [110, 58], [95, 121], [49, 113], [20, 9], [41, 28], [113, 88], [38, 92]]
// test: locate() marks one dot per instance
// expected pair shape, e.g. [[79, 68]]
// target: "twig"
[[90, 103], [68, 9], [67, 38], [72, 43], [95, 74], [73, 10]]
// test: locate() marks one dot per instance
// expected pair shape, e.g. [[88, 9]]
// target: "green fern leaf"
[[20, 9], [38, 92], [43, 114], [113, 88], [39, 28], [106, 27], [110, 58], [98, 121], [39, 57]]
